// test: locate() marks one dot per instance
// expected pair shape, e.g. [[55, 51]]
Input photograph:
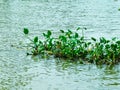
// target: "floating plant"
[[72, 46]]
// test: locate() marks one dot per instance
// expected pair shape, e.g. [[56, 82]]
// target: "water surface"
[[21, 72]]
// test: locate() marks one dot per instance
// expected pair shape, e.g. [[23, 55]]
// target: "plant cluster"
[[72, 46]]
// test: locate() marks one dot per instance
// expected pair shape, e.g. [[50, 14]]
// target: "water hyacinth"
[[72, 46]]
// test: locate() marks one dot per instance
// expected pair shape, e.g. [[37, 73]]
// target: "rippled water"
[[21, 72]]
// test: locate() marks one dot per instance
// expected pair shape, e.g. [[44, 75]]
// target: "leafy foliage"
[[72, 46]]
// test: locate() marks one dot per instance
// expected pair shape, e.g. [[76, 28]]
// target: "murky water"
[[21, 72]]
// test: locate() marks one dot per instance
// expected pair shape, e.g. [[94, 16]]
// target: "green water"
[[21, 72]]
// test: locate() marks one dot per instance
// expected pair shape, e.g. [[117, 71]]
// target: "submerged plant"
[[72, 46]]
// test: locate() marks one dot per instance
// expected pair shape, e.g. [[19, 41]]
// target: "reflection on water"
[[58, 75], [21, 72]]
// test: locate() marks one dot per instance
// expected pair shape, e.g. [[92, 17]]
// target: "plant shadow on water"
[[64, 72]]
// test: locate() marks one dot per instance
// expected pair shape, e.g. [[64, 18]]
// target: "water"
[[21, 72]]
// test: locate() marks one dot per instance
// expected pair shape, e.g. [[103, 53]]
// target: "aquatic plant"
[[119, 9], [69, 44]]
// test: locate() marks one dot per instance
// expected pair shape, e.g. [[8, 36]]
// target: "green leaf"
[[49, 33], [119, 9], [35, 39], [69, 31], [114, 38], [107, 46], [86, 45], [44, 35], [107, 41], [76, 35], [62, 31], [85, 28], [118, 42], [63, 38], [93, 38], [82, 38], [26, 31], [78, 28], [103, 40]]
